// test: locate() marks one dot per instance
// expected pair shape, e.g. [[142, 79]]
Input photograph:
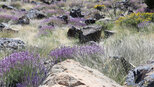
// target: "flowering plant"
[[135, 18], [6, 18], [62, 53], [99, 7], [21, 69]]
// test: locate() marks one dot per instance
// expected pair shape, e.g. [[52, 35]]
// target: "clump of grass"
[[7, 35], [135, 48]]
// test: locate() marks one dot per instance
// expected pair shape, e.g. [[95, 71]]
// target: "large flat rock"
[[72, 74]]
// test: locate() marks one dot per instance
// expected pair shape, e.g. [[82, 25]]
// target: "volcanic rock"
[[76, 13], [8, 7], [90, 33], [51, 1], [90, 21], [5, 28], [108, 33], [23, 20], [64, 18], [73, 32], [11, 44], [97, 16], [33, 13], [142, 76]]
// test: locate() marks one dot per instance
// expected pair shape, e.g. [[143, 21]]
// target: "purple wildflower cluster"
[[49, 24], [71, 52], [44, 30], [77, 21], [5, 18], [54, 12], [21, 69]]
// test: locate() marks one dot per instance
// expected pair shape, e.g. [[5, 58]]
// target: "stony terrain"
[[76, 43]]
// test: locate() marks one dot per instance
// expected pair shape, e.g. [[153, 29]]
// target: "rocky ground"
[[81, 43]]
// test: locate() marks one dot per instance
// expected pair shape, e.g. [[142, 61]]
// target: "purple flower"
[[77, 21], [19, 67], [44, 30], [140, 10], [47, 28], [5, 18], [70, 52]]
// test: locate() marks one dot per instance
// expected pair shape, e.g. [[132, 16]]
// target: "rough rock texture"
[[51, 1], [47, 1], [76, 13], [98, 16], [71, 74], [142, 76], [23, 20], [90, 33], [33, 13], [8, 7], [64, 18], [90, 21], [5, 28], [73, 32], [11, 44], [108, 33]]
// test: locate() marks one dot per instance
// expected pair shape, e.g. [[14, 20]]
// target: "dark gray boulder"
[[142, 76], [64, 18], [108, 33], [47, 1], [5, 28], [51, 1], [23, 20], [73, 32], [35, 3], [98, 16], [8, 7], [1, 26], [33, 13], [76, 13], [90, 33], [90, 21], [11, 44]]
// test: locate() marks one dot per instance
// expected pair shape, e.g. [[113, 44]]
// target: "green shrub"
[[135, 18]]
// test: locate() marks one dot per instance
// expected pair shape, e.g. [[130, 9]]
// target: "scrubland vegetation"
[[46, 39]]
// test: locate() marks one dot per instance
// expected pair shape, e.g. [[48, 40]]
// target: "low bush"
[[135, 18], [7, 18], [21, 69], [74, 52]]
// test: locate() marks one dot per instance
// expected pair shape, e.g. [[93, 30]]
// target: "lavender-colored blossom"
[[47, 27], [50, 19], [44, 30], [140, 10], [63, 52], [71, 52], [8, 17], [77, 21], [24, 64], [3, 10]]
